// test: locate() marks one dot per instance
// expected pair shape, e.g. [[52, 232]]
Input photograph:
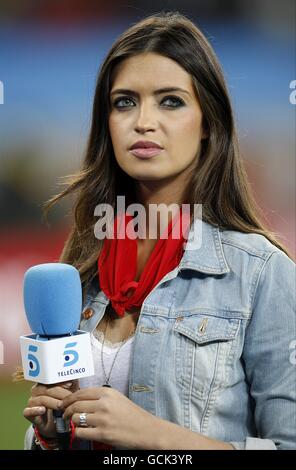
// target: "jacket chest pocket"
[[203, 352]]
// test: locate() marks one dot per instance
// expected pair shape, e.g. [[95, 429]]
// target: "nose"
[[145, 119]]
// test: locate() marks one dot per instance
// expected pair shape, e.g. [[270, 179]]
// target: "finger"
[[75, 386], [84, 394], [91, 434], [33, 414], [58, 392], [34, 411], [55, 391], [38, 389], [47, 402], [81, 407], [91, 419], [72, 386], [66, 385]]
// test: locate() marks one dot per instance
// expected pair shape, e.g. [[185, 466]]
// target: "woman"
[[198, 339]]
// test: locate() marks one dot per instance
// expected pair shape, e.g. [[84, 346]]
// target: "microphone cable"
[[63, 430]]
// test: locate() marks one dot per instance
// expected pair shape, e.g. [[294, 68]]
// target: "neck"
[[166, 193]]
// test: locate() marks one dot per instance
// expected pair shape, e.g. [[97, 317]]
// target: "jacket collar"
[[203, 250]]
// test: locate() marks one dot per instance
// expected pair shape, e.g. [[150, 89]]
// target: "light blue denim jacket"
[[214, 348]]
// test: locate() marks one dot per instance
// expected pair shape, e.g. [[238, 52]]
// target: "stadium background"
[[50, 52]]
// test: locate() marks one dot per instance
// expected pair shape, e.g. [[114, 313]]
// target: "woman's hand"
[[112, 418], [44, 399]]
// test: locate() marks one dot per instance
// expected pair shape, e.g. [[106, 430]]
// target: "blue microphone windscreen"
[[53, 298]]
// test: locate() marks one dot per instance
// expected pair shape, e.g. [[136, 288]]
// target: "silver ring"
[[83, 420]]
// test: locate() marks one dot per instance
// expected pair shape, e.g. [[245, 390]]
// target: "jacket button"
[[203, 325], [88, 313]]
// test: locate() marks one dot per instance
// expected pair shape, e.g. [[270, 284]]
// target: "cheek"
[[188, 134], [187, 126], [119, 138], [191, 124], [117, 134], [111, 128]]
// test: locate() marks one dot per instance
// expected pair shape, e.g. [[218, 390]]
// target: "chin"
[[146, 177]]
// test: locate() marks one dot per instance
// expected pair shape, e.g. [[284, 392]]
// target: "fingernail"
[[68, 385], [41, 410], [60, 404]]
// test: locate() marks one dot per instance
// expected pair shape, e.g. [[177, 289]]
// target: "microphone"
[[57, 351]]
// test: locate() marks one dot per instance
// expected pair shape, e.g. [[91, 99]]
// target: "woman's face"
[[171, 119]]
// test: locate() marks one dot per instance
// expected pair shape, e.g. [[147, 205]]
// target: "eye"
[[125, 99], [177, 102], [123, 102]]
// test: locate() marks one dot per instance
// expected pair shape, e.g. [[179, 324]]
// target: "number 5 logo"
[[34, 365], [70, 352]]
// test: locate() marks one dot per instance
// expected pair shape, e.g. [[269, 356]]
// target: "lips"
[[145, 144], [145, 153]]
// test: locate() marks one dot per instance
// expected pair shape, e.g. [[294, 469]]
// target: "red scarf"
[[117, 263]]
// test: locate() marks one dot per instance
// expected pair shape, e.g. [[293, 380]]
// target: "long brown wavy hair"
[[219, 181]]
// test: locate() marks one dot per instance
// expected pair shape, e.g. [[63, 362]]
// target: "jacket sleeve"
[[269, 356]]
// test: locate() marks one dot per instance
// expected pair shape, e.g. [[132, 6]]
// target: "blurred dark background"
[[50, 52]]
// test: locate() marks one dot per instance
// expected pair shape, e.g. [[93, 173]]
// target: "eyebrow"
[[155, 92]]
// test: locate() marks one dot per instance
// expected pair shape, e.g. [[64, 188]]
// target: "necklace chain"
[[103, 367]]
